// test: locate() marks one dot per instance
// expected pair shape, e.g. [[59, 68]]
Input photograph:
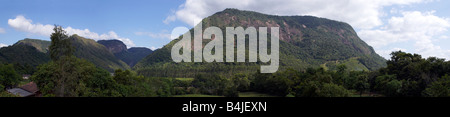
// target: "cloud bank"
[[421, 28], [359, 13]]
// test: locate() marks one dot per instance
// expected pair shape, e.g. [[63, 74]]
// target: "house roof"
[[30, 87], [20, 92]]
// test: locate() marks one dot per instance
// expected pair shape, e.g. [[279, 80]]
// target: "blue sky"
[[100, 16], [416, 26]]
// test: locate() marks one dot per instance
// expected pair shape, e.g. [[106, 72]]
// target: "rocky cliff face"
[[130, 56], [114, 46]]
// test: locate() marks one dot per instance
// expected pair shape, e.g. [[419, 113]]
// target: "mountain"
[[96, 53], [33, 52], [115, 46], [134, 55], [25, 55], [130, 56], [40, 45], [25, 52], [305, 41]]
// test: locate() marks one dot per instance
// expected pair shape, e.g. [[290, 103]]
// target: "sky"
[[414, 26]]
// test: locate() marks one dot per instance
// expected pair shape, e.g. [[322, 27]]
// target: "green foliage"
[[439, 88], [410, 75], [241, 81], [68, 76], [123, 77], [8, 77], [358, 81], [320, 83], [212, 85], [73, 77], [24, 57], [393, 88], [267, 83], [60, 45], [332, 90]]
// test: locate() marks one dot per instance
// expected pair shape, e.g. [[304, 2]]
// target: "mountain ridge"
[[305, 41], [33, 52]]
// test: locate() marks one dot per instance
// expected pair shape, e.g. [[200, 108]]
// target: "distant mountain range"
[[305, 41], [32, 52]]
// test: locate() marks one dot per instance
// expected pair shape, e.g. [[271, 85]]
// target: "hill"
[[96, 53], [24, 57], [305, 41], [130, 56]]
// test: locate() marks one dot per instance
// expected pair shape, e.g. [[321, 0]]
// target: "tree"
[[439, 88], [241, 82], [8, 76], [362, 83], [333, 90], [123, 77], [393, 88], [60, 44], [69, 76], [213, 84], [320, 89], [341, 68], [82, 79]]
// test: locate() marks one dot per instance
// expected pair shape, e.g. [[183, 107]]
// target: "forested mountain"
[[29, 53], [305, 41], [130, 56], [40, 45], [96, 53], [25, 55]]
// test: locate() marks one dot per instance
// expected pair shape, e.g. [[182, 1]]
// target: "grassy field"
[[185, 79]]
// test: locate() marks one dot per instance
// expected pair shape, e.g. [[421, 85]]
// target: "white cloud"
[[162, 35], [2, 45], [153, 48], [413, 26], [169, 19], [2, 31], [386, 53], [26, 25], [22, 24], [362, 14]]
